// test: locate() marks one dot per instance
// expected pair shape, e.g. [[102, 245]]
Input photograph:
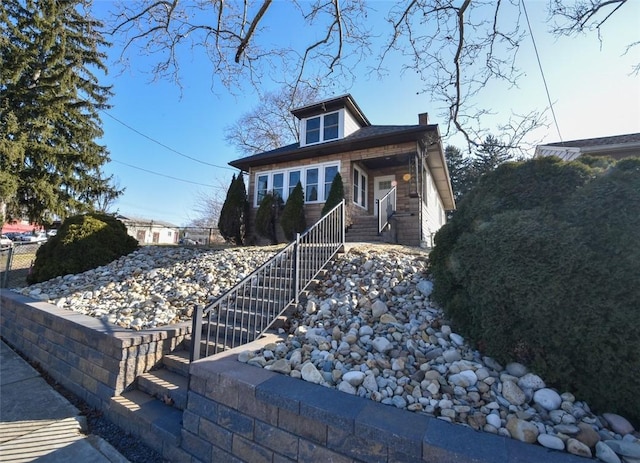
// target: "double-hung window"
[[294, 178], [262, 186], [322, 128], [329, 174], [278, 185], [311, 190]]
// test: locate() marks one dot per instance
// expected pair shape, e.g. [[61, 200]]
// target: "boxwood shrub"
[[82, 243], [551, 280]]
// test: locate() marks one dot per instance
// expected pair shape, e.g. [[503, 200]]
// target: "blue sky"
[[590, 83]]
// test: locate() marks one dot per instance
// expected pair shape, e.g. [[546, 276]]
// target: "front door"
[[381, 186]]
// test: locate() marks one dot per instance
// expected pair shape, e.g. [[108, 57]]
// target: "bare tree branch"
[[245, 41]]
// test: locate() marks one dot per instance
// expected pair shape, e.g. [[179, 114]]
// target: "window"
[[329, 174], [331, 126], [294, 178], [322, 128], [262, 186], [278, 185], [384, 185], [313, 130], [315, 179], [359, 188], [311, 192]]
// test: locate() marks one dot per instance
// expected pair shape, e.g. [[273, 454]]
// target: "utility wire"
[[164, 175], [546, 87], [163, 145]]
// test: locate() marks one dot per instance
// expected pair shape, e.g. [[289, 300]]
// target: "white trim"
[[361, 173], [376, 190], [303, 128], [303, 179]]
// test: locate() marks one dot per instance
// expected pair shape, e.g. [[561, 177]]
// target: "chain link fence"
[[200, 236], [15, 264]]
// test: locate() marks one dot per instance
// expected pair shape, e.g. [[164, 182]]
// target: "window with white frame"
[[322, 128], [315, 179], [311, 190], [359, 187], [329, 174], [294, 178], [262, 186], [278, 184]]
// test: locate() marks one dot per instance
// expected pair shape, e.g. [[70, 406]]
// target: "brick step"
[[177, 362], [219, 344], [158, 425], [168, 386]]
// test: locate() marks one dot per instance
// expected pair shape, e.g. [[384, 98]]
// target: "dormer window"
[[322, 128]]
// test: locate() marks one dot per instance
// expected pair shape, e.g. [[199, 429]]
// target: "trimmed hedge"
[[541, 264], [267, 217], [82, 243], [293, 220], [336, 194]]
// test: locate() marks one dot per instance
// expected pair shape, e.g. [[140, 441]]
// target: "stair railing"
[[386, 208], [247, 310]]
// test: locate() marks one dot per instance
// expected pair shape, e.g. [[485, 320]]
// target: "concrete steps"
[[153, 411], [364, 228]]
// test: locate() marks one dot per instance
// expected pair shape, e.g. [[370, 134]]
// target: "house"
[[617, 147], [405, 161], [150, 231]]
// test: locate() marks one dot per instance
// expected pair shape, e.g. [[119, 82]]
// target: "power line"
[[546, 87], [164, 175], [163, 145]]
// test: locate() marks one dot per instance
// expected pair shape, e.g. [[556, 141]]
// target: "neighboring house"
[[617, 147], [335, 136], [150, 231]]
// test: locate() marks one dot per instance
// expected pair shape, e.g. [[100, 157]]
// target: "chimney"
[[423, 118]]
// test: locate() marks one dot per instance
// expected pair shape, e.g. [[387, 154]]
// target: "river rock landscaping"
[[368, 329]]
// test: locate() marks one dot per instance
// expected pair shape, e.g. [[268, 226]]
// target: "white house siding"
[[432, 214], [153, 234], [350, 124]]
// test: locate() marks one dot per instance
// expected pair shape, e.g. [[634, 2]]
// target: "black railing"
[[247, 310]]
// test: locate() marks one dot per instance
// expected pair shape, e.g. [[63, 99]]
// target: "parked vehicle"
[[37, 237], [5, 242]]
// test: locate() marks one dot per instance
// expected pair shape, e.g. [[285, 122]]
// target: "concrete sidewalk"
[[37, 423]]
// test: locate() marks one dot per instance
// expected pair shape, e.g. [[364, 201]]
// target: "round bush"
[[82, 243], [554, 286]]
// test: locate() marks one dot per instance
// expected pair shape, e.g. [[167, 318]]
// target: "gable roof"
[[616, 146], [138, 221], [365, 137]]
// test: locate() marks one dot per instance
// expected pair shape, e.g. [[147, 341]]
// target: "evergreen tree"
[[267, 216], [49, 102], [458, 166], [293, 220], [336, 194], [234, 212]]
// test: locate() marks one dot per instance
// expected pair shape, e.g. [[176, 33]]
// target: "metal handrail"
[[387, 204], [247, 310]]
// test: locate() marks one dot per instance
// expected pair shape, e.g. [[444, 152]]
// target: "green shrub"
[[267, 216], [232, 221], [293, 220], [553, 284], [336, 194], [82, 243]]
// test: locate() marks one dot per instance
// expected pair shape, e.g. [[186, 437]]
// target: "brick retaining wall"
[[93, 359], [237, 412]]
